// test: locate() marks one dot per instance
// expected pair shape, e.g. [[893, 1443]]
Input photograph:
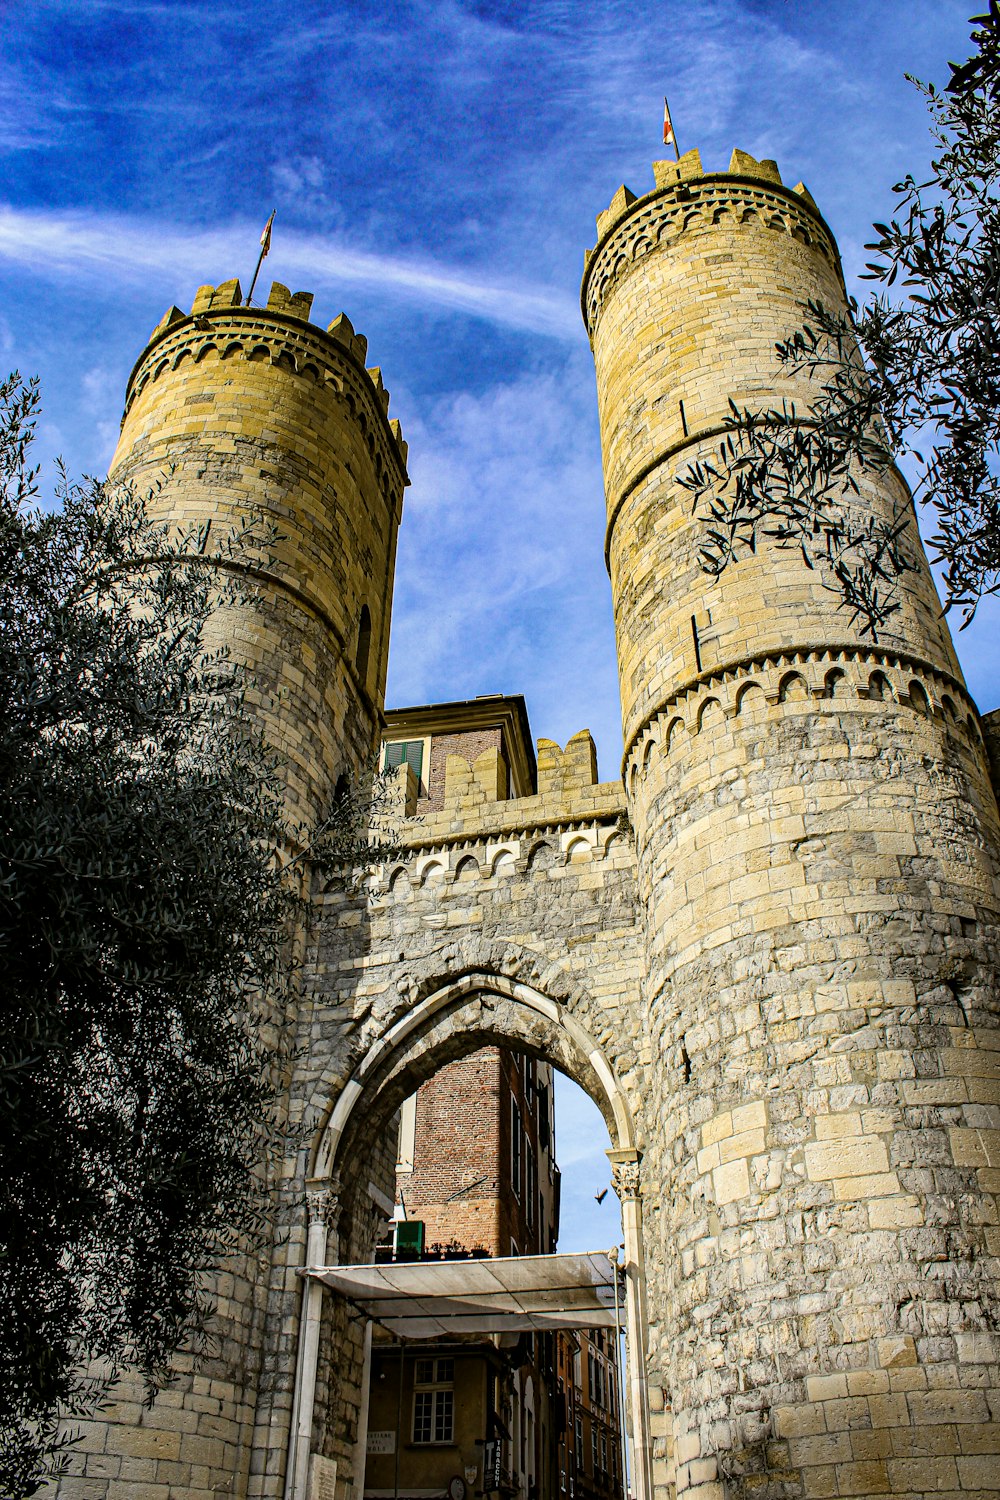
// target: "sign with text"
[[322, 1478], [382, 1442], [491, 1465]]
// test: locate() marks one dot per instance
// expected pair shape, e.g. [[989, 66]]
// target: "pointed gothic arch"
[[457, 1016]]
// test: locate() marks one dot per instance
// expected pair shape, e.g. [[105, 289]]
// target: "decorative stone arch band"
[[377, 1068], [380, 1060], [825, 671]]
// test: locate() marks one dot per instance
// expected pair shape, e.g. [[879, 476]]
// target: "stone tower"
[[245, 413], [255, 414], [817, 845]]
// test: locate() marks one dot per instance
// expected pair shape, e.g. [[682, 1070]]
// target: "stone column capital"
[[625, 1172], [323, 1203]]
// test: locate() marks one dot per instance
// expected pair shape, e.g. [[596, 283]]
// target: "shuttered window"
[[408, 752]]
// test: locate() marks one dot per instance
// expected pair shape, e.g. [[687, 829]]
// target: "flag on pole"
[[265, 245], [669, 139]]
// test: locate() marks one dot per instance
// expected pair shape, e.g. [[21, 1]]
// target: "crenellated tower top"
[[281, 332], [238, 415], [686, 198]]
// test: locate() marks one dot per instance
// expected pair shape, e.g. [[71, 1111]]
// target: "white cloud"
[[304, 175], [72, 246], [500, 582]]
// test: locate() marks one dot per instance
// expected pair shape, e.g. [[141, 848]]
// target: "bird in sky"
[[600, 1197]]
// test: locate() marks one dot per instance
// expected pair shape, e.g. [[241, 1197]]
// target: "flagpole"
[[265, 245], [668, 120]]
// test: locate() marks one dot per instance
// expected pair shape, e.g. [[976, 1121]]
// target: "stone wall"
[[237, 416], [818, 866]]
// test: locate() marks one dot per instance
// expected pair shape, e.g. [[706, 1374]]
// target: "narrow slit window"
[[364, 647]]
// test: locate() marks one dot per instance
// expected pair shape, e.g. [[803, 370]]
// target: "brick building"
[[476, 1176], [476, 1162]]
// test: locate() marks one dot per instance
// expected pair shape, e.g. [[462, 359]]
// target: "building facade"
[[767, 948], [476, 1176], [590, 1452]]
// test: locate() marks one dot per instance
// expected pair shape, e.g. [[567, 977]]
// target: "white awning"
[[433, 1299]]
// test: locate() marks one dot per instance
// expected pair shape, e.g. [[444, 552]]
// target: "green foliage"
[[145, 898], [914, 374]]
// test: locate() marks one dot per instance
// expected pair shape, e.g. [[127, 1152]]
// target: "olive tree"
[[147, 879], [914, 371]]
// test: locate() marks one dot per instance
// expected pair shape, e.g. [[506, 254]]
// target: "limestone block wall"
[[234, 415], [817, 860], [822, 990], [244, 414]]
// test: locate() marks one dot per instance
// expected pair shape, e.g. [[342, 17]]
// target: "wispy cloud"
[[501, 585], [73, 245]]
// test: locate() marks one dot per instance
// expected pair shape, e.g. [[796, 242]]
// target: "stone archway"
[[456, 1017]]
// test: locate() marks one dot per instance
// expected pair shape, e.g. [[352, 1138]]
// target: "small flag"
[[669, 139], [265, 239]]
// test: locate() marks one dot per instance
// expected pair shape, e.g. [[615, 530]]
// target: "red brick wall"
[[470, 745], [456, 1143], [461, 1185]]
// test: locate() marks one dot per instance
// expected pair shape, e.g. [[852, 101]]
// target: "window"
[[407, 1134], [410, 751], [530, 1183], [515, 1148], [595, 1372], [604, 1452], [578, 1435], [544, 1134], [364, 645], [434, 1401], [593, 1447]]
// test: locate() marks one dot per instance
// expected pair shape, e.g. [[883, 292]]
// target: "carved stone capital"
[[625, 1173], [323, 1204]]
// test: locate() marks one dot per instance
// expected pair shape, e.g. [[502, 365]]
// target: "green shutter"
[[409, 751], [410, 1236], [414, 756]]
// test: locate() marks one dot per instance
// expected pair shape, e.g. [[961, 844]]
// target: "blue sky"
[[436, 169]]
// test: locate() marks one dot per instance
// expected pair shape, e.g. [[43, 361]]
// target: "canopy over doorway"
[[440, 1299]]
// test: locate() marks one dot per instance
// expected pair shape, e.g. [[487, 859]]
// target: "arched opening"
[[455, 1023], [364, 645]]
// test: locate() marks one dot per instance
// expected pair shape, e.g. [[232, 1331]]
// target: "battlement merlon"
[[222, 308], [477, 806], [678, 181]]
